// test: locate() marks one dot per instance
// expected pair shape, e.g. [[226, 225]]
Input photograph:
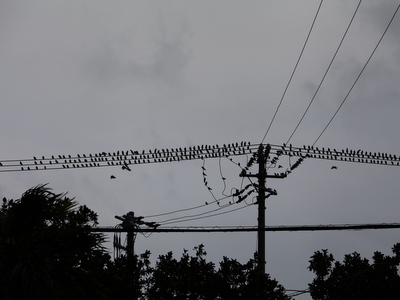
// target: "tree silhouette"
[[244, 281], [355, 277], [47, 250], [192, 277]]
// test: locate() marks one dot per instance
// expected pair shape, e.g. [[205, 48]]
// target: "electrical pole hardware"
[[262, 158]]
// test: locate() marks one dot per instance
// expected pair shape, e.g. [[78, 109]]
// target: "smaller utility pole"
[[129, 223]]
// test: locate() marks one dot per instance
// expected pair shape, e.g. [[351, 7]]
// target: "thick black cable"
[[289, 228], [358, 77], [294, 70], [326, 72]]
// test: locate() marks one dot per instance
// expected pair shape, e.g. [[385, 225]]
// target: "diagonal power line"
[[326, 72], [294, 70], [358, 77]]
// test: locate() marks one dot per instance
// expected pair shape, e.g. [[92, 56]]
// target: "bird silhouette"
[[333, 167], [112, 177]]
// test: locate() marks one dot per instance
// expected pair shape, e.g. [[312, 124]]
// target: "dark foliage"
[[355, 277], [47, 250], [192, 277]]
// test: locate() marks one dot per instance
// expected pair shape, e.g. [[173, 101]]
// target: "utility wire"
[[186, 209], [326, 72], [200, 214], [358, 77], [289, 228], [203, 217], [125, 159], [174, 211], [222, 177], [294, 70]]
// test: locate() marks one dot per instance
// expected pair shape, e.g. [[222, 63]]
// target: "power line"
[[343, 155], [326, 72], [188, 209], [358, 77], [202, 215], [294, 70], [175, 211], [289, 228], [125, 159], [222, 177]]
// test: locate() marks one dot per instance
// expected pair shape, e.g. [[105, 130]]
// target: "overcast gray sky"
[[93, 76]]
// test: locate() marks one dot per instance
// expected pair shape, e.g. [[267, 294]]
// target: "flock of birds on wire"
[[125, 159]]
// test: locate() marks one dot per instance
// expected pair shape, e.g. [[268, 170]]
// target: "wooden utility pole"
[[263, 154], [262, 173]]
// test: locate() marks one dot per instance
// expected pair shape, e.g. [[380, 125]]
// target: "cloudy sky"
[[93, 76]]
